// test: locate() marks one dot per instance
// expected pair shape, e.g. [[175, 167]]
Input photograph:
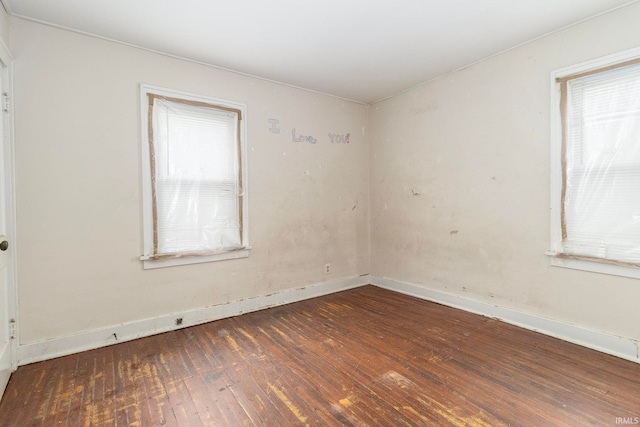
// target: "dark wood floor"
[[363, 357]]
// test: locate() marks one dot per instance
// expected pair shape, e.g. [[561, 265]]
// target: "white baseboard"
[[62, 346], [624, 348], [42, 350]]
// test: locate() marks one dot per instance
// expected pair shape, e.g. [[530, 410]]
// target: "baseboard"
[[624, 348], [43, 350], [62, 346]]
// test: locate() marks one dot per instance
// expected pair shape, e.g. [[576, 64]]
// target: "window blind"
[[196, 182], [601, 160]]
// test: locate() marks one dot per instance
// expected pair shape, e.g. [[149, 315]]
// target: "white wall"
[[475, 146], [77, 131], [459, 185], [4, 25]]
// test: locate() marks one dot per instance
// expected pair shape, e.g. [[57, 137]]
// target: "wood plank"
[[362, 357]]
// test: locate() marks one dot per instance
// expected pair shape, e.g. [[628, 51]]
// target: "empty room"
[[429, 216]]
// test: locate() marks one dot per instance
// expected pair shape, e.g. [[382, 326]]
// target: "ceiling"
[[362, 50]]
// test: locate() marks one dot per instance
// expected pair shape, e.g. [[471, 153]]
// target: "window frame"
[[556, 255], [148, 259]]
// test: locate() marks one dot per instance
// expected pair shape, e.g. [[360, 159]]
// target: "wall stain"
[[423, 109]]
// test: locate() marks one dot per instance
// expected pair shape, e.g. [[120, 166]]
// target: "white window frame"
[[557, 258], [147, 199]]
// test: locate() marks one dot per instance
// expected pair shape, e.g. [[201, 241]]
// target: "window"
[[596, 166], [194, 192]]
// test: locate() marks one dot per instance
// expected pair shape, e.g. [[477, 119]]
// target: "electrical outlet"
[[327, 268]]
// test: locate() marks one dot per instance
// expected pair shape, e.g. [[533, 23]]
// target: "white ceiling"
[[363, 50]]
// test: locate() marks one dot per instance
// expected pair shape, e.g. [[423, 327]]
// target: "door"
[[8, 344]]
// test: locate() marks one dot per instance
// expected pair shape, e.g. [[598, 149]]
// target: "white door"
[[8, 340]]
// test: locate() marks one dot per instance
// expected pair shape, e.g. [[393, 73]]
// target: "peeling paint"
[[450, 414], [232, 342], [396, 378], [293, 408], [249, 337], [346, 402]]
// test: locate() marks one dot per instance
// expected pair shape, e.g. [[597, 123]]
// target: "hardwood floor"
[[363, 357]]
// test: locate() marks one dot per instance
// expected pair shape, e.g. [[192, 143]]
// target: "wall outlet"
[[327, 268]]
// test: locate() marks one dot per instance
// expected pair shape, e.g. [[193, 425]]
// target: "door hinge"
[[6, 102], [13, 330]]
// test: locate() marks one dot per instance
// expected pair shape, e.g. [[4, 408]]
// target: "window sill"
[[593, 266], [149, 264]]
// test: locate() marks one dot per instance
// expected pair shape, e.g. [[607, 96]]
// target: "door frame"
[[6, 109]]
